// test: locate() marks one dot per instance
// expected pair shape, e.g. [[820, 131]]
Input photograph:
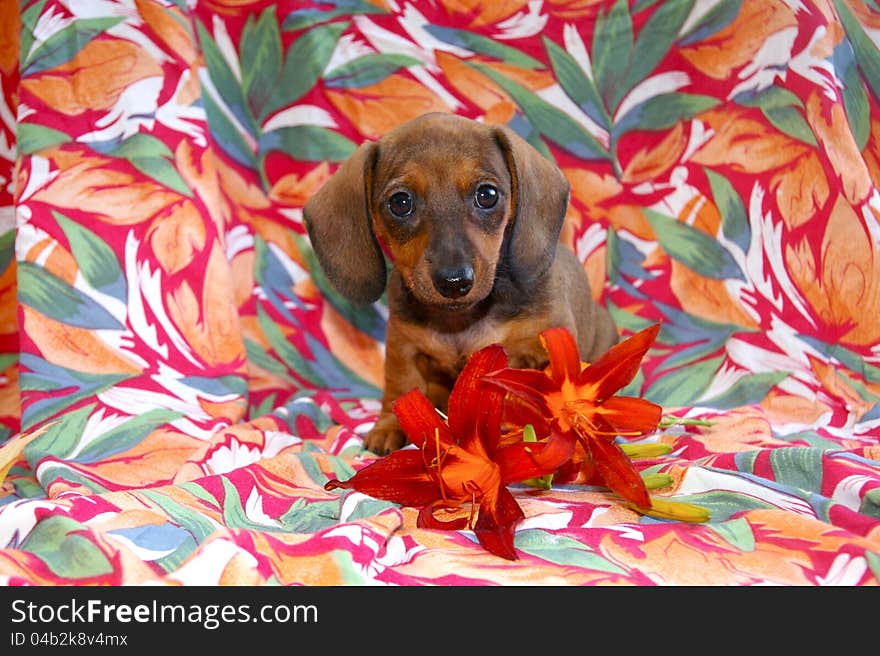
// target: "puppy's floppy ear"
[[540, 198], [339, 223]]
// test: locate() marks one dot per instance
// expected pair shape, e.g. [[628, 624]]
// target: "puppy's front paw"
[[386, 436]]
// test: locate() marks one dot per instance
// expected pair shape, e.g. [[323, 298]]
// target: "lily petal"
[[616, 469], [496, 523], [420, 420], [470, 396], [523, 460], [399, 477], [618, 365], [532, 387], [565, 361], [631, 416]]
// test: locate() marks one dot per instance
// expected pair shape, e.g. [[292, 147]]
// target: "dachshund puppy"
[[470, 216]]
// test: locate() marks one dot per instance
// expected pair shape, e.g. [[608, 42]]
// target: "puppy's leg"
[[386, 435], [402, 373]]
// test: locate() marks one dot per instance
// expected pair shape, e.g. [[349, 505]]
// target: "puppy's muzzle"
[[454, 282]]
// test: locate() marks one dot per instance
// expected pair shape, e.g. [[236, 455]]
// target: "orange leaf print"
[[242, 267], [10, 44], [378, 108], [598, 195], [54, 259], [596, 266], [573, 8], [745, 144], [476, 87], [707, 298], [9, 300], [719, 55], [843, 287], [484, 12], [801, 190], [176, 237], [13, 449], [95, 78], [209, 320], [80, 349], [750, 146], [832, 128], [650, 163], [96, 185], [361, 353], [292, 190], [172, 29], [782, 408], [872, 152]]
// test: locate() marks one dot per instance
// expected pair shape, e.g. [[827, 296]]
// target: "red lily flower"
[[458, 461], [574, 404]]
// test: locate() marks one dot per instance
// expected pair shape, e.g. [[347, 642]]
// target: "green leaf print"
[[683, 386], [260, 59], [148, 155], [227, 134], [751, 388], [483, 45], [65, 44], [577, 84], [612, 51], [713, 21], [300, 19], [850, 359], [7, 249], [40, 375], [799, 468], [737, 533], [734, 221], [198, 524], [693, 248], [62, 436], [29, 19], [53, 297], [32, 138], [867, 54], [855, 98], [655, 39], [367, 319], [63, 544], [790, 121], [309, 143], [548, 119], [662, 111], [562, 550], [126, 435], [97, 262], [368, 69], [303, 65], [224, 80]]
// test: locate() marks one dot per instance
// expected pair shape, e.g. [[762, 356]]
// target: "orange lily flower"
[[458, 461], [574, 404]]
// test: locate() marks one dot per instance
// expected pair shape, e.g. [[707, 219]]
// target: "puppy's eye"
[[400, 204], [486, 196]]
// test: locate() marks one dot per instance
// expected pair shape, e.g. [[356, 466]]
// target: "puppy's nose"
[[454, 283]]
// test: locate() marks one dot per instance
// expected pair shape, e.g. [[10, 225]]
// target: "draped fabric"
[[179, 379]]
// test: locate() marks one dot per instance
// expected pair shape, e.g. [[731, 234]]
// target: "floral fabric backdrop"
[[179, 380]]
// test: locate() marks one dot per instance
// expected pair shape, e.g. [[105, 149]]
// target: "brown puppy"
[[470, 215]]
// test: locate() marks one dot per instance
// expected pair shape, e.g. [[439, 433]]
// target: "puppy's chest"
[[445, 354]]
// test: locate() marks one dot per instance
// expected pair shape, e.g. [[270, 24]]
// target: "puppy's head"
[[450, 198]]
